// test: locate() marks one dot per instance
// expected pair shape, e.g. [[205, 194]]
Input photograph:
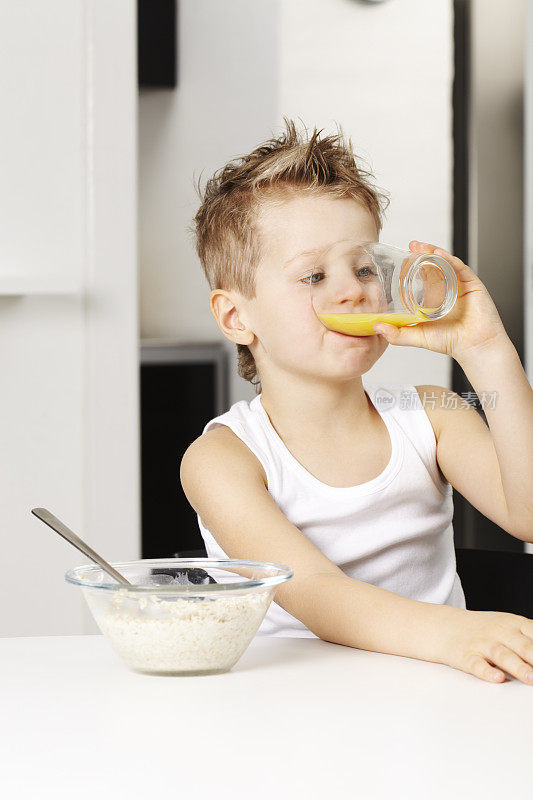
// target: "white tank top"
[[394, 531]]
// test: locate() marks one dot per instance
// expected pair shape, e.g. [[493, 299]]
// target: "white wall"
[[69, 330], [383, 72], [225, 103]]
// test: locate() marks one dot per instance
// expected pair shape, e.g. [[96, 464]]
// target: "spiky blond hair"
[[225, 227]]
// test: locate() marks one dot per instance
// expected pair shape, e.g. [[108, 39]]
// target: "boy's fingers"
[[464, 272], [479, 667], [416, 245], [410, 336]]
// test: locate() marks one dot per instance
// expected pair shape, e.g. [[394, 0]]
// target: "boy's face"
[[288, 334]]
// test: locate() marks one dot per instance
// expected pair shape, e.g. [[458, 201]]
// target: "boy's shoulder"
[[221, 448], [441, 405]]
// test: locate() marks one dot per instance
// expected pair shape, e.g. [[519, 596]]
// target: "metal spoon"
[[46, 516]]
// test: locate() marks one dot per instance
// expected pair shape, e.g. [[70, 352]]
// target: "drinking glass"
[[354, 285]]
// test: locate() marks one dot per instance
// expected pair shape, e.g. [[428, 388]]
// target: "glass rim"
[[370, 243], [450, 278], [73, 576]]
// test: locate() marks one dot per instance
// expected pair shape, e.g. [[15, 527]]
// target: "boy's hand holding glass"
[[472, 326]]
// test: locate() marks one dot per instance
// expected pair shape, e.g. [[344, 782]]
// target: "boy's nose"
[[349, 293]]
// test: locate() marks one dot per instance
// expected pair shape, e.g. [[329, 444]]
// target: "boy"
[[311, 473]]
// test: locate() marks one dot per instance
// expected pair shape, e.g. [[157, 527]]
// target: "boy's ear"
[[225, 312]]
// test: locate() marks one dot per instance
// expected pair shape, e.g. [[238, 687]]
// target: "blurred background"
[[110, 360]]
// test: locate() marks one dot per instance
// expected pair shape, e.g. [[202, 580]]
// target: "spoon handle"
[[53, 522]]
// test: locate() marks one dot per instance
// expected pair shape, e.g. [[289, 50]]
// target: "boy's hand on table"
[[486, 643], [472, 325]]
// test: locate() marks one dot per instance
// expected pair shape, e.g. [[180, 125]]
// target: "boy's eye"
[[310, 278], [315, 277], [365, 272]]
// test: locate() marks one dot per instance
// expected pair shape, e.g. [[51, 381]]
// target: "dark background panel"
[[156, 43], [472, 529], [177, 401]]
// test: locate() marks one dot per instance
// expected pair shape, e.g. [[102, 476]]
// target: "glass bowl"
[[181, 616]]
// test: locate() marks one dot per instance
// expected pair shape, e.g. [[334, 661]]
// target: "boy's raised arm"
[[475, 458], [498, 369]]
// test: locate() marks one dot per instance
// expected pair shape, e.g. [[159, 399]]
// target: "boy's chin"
[[360, 356]]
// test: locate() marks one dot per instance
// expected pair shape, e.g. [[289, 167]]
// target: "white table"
[[294, 718]]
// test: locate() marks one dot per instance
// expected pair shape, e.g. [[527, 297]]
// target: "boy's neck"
[[320, 411]]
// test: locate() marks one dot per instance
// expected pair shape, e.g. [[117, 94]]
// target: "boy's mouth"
[[349, 336]]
